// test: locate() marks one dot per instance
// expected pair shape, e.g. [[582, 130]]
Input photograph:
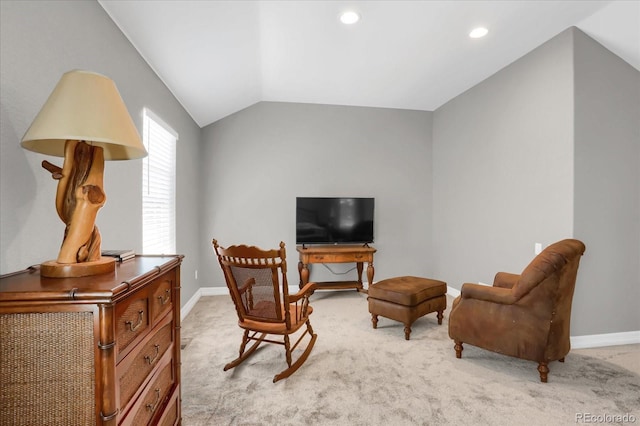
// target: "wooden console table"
[[336, 254]]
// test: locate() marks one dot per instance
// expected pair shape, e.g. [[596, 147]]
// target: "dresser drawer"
[[162, 295], [171, 414], [154, 398], [136, 314], [132, 320], [140, 362]]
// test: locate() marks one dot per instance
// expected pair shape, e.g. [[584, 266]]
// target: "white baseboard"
[[202, 291], [212, 291], [577, 342], [609, 339], [453, 292], [184, 310]]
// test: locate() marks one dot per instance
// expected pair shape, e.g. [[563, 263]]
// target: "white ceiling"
[[218, 57]]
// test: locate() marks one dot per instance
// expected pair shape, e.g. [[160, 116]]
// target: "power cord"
[[338, 273]]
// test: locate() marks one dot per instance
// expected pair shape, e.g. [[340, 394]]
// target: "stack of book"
[[120, 255]]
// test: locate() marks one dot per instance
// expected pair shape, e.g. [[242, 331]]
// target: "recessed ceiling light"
[[478, 32], [349, 18]]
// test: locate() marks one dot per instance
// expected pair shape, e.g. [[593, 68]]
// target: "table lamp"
[[86, 122]]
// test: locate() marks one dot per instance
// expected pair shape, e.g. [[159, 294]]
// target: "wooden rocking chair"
[[264, 307]]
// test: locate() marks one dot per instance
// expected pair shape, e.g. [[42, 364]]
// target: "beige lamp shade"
[[85, 106]]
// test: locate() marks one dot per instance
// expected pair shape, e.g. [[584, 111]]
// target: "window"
[[158, 187]]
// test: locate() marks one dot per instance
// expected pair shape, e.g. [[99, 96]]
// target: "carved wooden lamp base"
[[53, 269], [85, 121]]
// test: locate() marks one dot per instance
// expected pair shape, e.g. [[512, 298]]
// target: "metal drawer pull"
[[150, 360], [152, 407], [165, 299], [135, 327]]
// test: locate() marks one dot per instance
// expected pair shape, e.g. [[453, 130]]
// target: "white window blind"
[[158, 187]]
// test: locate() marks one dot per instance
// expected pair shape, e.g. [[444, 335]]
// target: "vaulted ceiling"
[[218, 57]]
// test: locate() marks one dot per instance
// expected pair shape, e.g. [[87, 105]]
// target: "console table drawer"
[[357, 257], [323, 258], [338, 258], [337, 255]]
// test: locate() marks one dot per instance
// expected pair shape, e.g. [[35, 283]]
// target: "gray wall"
[[258, 160], [503, 167], [40, 41], [607, 188], [525, 157]]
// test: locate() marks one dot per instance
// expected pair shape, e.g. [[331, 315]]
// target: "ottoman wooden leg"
[[407, 331], [440, 316], [374, 320]]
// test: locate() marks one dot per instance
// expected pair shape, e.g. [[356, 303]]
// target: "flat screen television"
[[334, 220]]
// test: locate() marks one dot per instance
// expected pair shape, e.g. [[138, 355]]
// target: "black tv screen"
[[334, 220]]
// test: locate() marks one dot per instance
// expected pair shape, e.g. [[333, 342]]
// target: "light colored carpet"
[[356, 375]]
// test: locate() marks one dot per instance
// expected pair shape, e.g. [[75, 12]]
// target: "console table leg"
[[303, 270], [370, 272]]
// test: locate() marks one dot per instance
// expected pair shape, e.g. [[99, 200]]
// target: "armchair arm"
[[505, 280], [503, 296]]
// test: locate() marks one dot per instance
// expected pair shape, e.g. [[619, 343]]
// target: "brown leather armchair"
[[525, 316]]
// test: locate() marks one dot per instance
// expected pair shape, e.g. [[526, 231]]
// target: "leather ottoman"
[[406, 299]]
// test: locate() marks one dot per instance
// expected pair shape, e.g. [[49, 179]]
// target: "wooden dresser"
[[100, 350]]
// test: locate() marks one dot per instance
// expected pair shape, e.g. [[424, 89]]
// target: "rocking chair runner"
[[264, 307]]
